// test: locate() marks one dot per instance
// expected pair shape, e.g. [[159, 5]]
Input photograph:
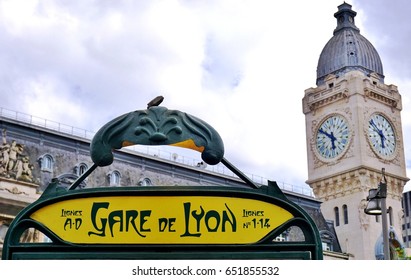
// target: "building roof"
[[348, 50]]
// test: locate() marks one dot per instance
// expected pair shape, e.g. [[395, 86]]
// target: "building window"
[[406, 202], [114, 178], [281, 238], [46, 163], [345, 210], [337, 216], [390, 215], [327, 246], [327, 240], [145, 182], [80, 169]]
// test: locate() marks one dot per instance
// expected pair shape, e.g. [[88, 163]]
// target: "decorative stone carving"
[[13, 162], [364, 219]]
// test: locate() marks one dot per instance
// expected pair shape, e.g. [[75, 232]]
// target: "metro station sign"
[[161, 219]]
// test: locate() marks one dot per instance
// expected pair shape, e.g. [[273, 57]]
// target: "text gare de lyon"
[[195, 221]]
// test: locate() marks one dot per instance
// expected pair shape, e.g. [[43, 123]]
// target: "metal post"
[[385, 229], [383, 195]]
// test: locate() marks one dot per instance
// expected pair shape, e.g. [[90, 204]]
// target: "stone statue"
[[14, 151], [13, 163], [5, 147]]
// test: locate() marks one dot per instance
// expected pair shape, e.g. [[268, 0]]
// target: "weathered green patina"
[[157, 126]]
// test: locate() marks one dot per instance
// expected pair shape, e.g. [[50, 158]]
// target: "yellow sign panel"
[[162, 219]]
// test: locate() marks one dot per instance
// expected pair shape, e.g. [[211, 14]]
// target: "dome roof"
[[348, 50]]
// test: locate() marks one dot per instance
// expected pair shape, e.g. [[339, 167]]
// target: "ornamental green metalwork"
[[157, 126]]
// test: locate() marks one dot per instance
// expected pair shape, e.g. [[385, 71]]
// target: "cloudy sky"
[[242, 66]]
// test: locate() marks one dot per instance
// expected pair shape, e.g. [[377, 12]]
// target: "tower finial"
[[345, 17]]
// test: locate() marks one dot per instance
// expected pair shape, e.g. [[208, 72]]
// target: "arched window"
[[390, 216], [79, 169], [345, 210], [46, 162], [145, 182], [114, 178], [337, 216]]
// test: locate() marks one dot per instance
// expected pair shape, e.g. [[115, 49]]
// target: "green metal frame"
[[265, 248], [120, 132]]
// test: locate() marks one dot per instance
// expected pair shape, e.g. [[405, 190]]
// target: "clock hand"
[[333, 140], [379, 133], [325, 133], [375, 127], [331, 136], [382, 140]]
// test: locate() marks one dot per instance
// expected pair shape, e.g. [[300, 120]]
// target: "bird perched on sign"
[[155, 102]]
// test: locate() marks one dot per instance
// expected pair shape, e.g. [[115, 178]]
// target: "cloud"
[[388, 29], [389, 32], [242, 66]]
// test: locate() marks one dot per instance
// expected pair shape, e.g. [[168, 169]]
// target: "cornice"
[[331, 92], [339, 88], [361, 179], [387, 95]]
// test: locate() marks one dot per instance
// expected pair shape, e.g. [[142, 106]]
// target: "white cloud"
[[242, 66]]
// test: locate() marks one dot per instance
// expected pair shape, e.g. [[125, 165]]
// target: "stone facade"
[[344, 181]]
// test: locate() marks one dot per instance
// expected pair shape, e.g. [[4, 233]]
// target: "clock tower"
[[353, 130]]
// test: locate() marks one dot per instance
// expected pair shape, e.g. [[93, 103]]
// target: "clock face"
[[332, 137], [381, 135]]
